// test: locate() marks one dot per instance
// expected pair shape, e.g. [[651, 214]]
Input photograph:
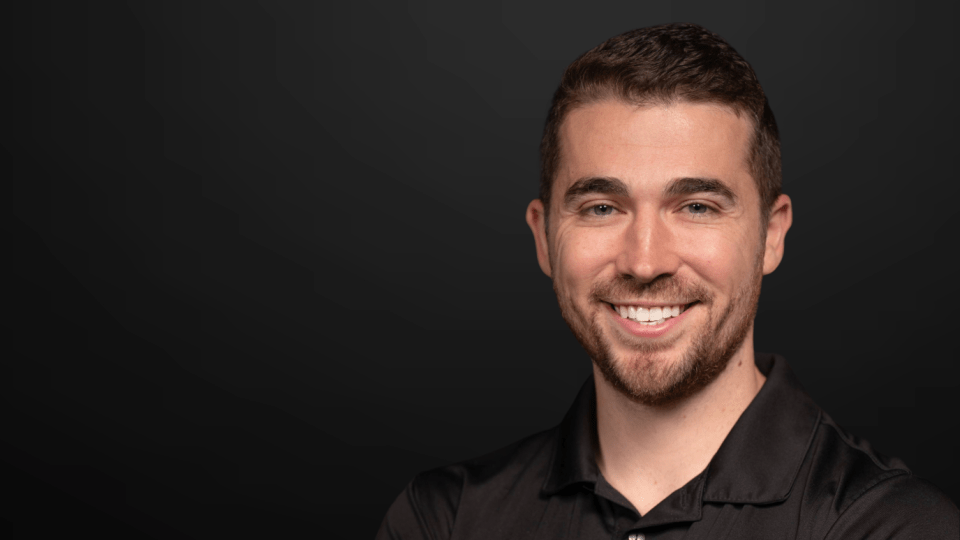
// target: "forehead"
[[645, 145]]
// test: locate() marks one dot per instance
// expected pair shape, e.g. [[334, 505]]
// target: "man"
[[659, 212]]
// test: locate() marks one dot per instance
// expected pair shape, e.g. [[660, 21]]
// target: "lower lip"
[[648, 330]]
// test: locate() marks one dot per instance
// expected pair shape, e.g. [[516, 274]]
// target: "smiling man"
[[659, 213]]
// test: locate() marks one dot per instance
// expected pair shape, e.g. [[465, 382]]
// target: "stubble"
[[646, 375]]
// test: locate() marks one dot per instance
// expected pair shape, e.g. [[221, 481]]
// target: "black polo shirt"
[[786, 470]]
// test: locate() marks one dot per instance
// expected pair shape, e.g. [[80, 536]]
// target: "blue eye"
[[601, 210], [697, 208]]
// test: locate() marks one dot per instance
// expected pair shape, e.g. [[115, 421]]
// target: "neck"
[[649, 452]]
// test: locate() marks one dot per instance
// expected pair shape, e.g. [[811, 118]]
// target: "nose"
[[648, 248]]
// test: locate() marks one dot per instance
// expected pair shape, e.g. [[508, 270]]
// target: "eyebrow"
[[595, 184], [679, 187], [690, 186]]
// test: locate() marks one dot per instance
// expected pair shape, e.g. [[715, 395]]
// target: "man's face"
[[655, 243]]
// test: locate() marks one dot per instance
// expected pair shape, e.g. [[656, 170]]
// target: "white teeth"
[[652, 316]]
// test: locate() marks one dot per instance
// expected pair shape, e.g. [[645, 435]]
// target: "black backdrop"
[[269, 259]]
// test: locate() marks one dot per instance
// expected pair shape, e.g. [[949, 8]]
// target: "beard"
[[644, 375]]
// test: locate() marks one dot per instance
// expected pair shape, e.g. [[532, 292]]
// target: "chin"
[[661, 378]]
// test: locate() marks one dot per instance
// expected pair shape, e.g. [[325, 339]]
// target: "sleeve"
[[425, 510], [899, 508]]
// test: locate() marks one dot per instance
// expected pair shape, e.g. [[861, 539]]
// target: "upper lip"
[[650, 304]]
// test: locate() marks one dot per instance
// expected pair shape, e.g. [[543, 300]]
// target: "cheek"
[[580, 257], [719, 257]]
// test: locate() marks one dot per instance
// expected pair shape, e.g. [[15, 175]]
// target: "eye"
[[699, 209], [600, 210]]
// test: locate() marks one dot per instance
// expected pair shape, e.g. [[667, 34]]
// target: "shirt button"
[[636, 536]]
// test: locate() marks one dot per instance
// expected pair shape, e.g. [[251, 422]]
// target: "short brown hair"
[[662, 65]]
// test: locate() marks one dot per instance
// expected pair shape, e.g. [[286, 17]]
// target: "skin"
[[644, 236]]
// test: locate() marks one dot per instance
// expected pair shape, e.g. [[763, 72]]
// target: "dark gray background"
[[269, 259]]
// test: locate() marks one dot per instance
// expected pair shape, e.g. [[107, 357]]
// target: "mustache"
[[665, 289]]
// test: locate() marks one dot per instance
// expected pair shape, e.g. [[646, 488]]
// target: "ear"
[[536, 219], [781, 217]]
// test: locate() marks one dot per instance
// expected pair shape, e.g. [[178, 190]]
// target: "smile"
[[649, 316]]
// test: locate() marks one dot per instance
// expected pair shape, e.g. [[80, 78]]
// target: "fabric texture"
[[785, 470]]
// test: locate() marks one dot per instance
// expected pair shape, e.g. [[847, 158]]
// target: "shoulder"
[[431, 504], [862, 493], [904, 506]]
